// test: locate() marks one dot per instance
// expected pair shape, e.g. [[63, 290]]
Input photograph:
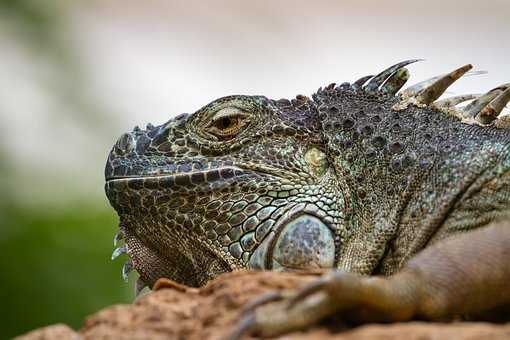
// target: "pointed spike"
[[474, 108], [126, 269], [118, 251], [453, 101], [435, 90], [343, 86], [413, 90], [302, 98], [139, 286], [494, 108], [359, 83], [117, 238], [330, 86], [502, 87], [395, 81], [379, 79]]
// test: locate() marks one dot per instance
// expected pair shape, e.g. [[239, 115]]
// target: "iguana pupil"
[[225, 123]]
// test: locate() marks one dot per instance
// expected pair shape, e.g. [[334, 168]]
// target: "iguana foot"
[[354, 298], [436, 284]]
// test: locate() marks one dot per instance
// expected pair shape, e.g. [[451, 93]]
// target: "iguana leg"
[[467, 274]]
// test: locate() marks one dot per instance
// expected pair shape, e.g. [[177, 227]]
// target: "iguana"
[[405, 195]]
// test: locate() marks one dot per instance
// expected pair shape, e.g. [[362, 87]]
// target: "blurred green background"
[[74, 75], [55, 233]]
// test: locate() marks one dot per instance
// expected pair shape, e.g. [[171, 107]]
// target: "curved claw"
[[246, 325], [262, 300], [379, 79], [308, 290]]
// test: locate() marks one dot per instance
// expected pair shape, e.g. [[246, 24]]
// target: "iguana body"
[[356, 179]]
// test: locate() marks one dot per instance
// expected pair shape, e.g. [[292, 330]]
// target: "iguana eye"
[[227, 123]]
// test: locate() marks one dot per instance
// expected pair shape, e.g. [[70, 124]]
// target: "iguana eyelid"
[[229, 112], [230, 132]]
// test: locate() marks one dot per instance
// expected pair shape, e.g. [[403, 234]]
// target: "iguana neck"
[[394, 166]]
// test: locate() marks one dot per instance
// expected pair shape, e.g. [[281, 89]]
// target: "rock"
[[54, 332], [174, 311]]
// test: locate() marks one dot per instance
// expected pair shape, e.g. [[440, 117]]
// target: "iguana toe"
[[354, 298]]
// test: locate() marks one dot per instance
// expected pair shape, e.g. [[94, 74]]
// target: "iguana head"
[[242, 183]]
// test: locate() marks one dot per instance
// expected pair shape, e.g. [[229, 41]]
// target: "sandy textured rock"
[[177, 312], [56, 332]]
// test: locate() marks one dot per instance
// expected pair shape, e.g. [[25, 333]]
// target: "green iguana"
[[358, 178]]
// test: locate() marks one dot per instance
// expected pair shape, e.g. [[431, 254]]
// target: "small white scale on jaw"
[[118, 251], [126, 269], [117, 238], [128, 266]]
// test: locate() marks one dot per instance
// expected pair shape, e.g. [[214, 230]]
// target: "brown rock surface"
[[56, 332], [177, 312]]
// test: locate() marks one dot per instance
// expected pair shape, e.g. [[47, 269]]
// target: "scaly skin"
[[356, 179]]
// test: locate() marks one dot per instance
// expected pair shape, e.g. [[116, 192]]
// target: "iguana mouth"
[[178, 181], [201, 176]]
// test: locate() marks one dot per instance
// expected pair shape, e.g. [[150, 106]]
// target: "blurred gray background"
[[75, 75]]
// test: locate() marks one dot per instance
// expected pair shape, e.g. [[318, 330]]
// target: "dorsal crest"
[[484, 109]]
